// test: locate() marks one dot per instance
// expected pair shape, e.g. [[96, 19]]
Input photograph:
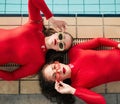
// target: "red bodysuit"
[[91, 68], [25, 45]]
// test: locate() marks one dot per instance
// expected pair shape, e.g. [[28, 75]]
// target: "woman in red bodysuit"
[[87, 68], [27, 45]]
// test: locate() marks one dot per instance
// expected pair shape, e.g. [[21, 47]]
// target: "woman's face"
[[51, 72], [59, 41]]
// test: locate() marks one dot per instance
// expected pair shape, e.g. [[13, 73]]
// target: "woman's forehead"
[[48, 66]]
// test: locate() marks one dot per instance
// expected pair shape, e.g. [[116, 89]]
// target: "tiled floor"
[[27, 90], [40, 99]]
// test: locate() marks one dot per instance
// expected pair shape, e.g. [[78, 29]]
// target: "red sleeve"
[[95, 43], [34, 8], [22, 72], [89, 97]]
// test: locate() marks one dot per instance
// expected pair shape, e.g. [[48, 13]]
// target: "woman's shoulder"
[[74, 49]]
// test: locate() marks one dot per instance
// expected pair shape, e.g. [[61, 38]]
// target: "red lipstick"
[[64, 70], [55, 42]]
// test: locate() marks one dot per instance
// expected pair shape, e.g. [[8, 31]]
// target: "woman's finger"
[[62, 83], [56, 85]]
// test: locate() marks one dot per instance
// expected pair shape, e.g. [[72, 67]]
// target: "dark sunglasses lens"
[[61, 45], [60, 36]]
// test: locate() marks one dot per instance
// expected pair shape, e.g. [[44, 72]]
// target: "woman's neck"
[[46, 43], [69, 71]]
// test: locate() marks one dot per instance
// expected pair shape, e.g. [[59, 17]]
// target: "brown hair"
[[48, 31], [48, 90]]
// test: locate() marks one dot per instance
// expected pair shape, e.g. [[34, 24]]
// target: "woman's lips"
[[55, 42], [64, 70]]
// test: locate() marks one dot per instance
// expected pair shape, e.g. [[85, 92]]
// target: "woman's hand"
[[58, 24], [118, 46], [64, 88]]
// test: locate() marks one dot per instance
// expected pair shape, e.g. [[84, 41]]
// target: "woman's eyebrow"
[[53, 75], [53, 67]]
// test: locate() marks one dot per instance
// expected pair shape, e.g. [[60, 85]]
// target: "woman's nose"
[[58, 70], [58, 41]]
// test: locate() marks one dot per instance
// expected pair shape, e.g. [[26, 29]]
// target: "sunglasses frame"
[[57, 73]]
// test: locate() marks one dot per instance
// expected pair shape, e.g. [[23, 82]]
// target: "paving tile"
[[8, 27], [99, 89], [72, 30], [71, 21], [79, 101], [40, 99], [10, 21], [24, 20], [118, 95], [29, 87], [89, 21], [9, 87], [112, 31], [23, 99], [113, 87], [32, 77], [89, 31], [111, 98], [112, 21]]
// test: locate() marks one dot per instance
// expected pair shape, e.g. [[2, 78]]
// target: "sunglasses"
[[61, 44], [58, 78]]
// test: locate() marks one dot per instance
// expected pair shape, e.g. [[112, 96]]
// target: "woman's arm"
[[21, 72], [34, 8], [94, 43], [86, 95]]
